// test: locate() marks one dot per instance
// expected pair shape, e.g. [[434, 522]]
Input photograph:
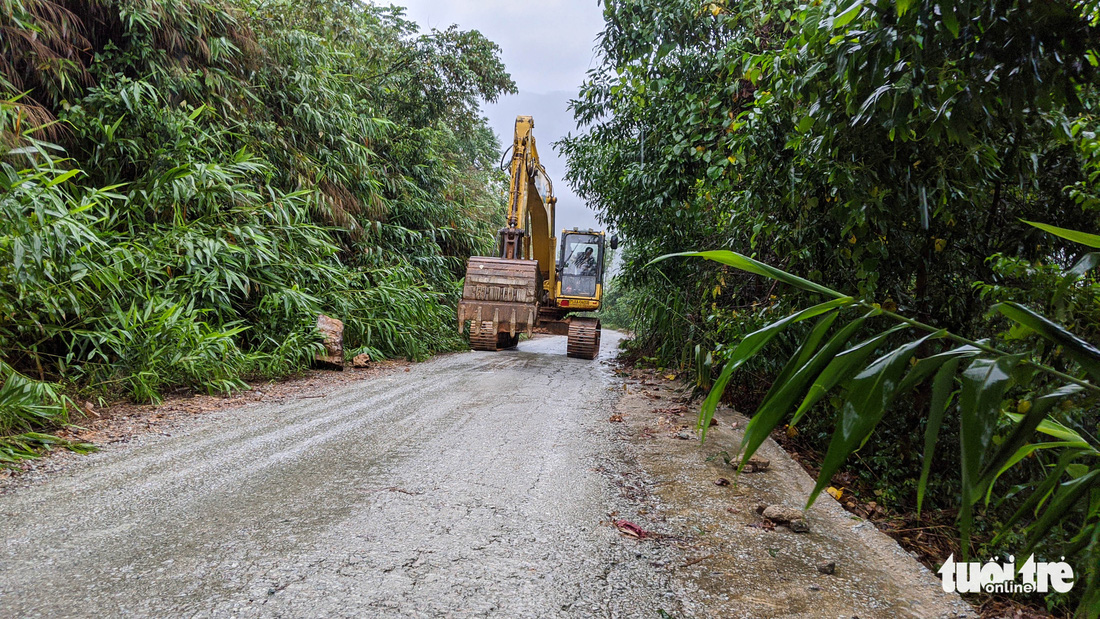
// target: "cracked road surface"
[[469, 486]]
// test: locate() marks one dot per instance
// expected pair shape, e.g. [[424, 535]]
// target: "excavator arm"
[[530, 228]]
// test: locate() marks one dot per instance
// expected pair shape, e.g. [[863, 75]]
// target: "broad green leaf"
[[749, 346], [1026, 425], [870, 392], [745, 263], [983, 386], [1084, 238], [950, 20], [942, 386], [790, 383], [1081, 351], [844, 365], [847, 15], [903, 6]]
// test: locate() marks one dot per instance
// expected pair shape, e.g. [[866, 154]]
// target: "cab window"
[[580, 265]]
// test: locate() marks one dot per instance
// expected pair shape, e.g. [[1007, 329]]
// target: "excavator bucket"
[[500, 299]]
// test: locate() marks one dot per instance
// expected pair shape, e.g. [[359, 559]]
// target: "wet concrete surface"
[[736, 563], [472, 485]]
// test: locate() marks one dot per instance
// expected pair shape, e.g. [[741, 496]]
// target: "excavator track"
[[584, 338], [486, 339]]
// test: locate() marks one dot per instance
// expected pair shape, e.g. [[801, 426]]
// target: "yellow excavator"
[[524, 287]]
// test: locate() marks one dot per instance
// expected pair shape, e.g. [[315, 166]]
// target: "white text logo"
[[992, 577]]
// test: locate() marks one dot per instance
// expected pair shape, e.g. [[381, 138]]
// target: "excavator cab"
[[580, 270]]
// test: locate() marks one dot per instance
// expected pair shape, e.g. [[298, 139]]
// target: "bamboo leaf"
[[843, 366], [805, 350], [1067, 495], [925, 367], [1026, 425], [1022, 453], [1087, 263], [749, 265], [749, 346], [983, 386], [1051, 427], [789, 384], [1035, 500], [63, 177], [1084, 238]]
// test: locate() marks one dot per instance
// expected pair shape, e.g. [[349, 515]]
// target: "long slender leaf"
[[750, 265], [791, 381], [1081, 351], [1086, 263], [1084, 238], [941, 398], [749, 346], [1022, 453], [1053, 428], [983, 386], [925, 367], [805, 351], [844, 365], [870, 392], [1063, 501], [1038, 496], [1022, 432]]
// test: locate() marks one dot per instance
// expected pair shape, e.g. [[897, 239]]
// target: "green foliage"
[[893, 150], [883, 154], [25, 405], [615, 308], [1065, 502], [217, 175]]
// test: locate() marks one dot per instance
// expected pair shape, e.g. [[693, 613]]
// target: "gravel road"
[[470, 485], [473, 485]]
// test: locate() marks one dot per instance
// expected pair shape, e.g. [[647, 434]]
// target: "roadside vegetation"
[[185, 186], [879, 161]]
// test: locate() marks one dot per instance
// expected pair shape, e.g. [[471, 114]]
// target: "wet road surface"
[[469, 486]]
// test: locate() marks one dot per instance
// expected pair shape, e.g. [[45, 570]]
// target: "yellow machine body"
[[522, 288]]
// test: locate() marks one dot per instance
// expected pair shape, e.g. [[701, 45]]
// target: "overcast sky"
[[547, 46]]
